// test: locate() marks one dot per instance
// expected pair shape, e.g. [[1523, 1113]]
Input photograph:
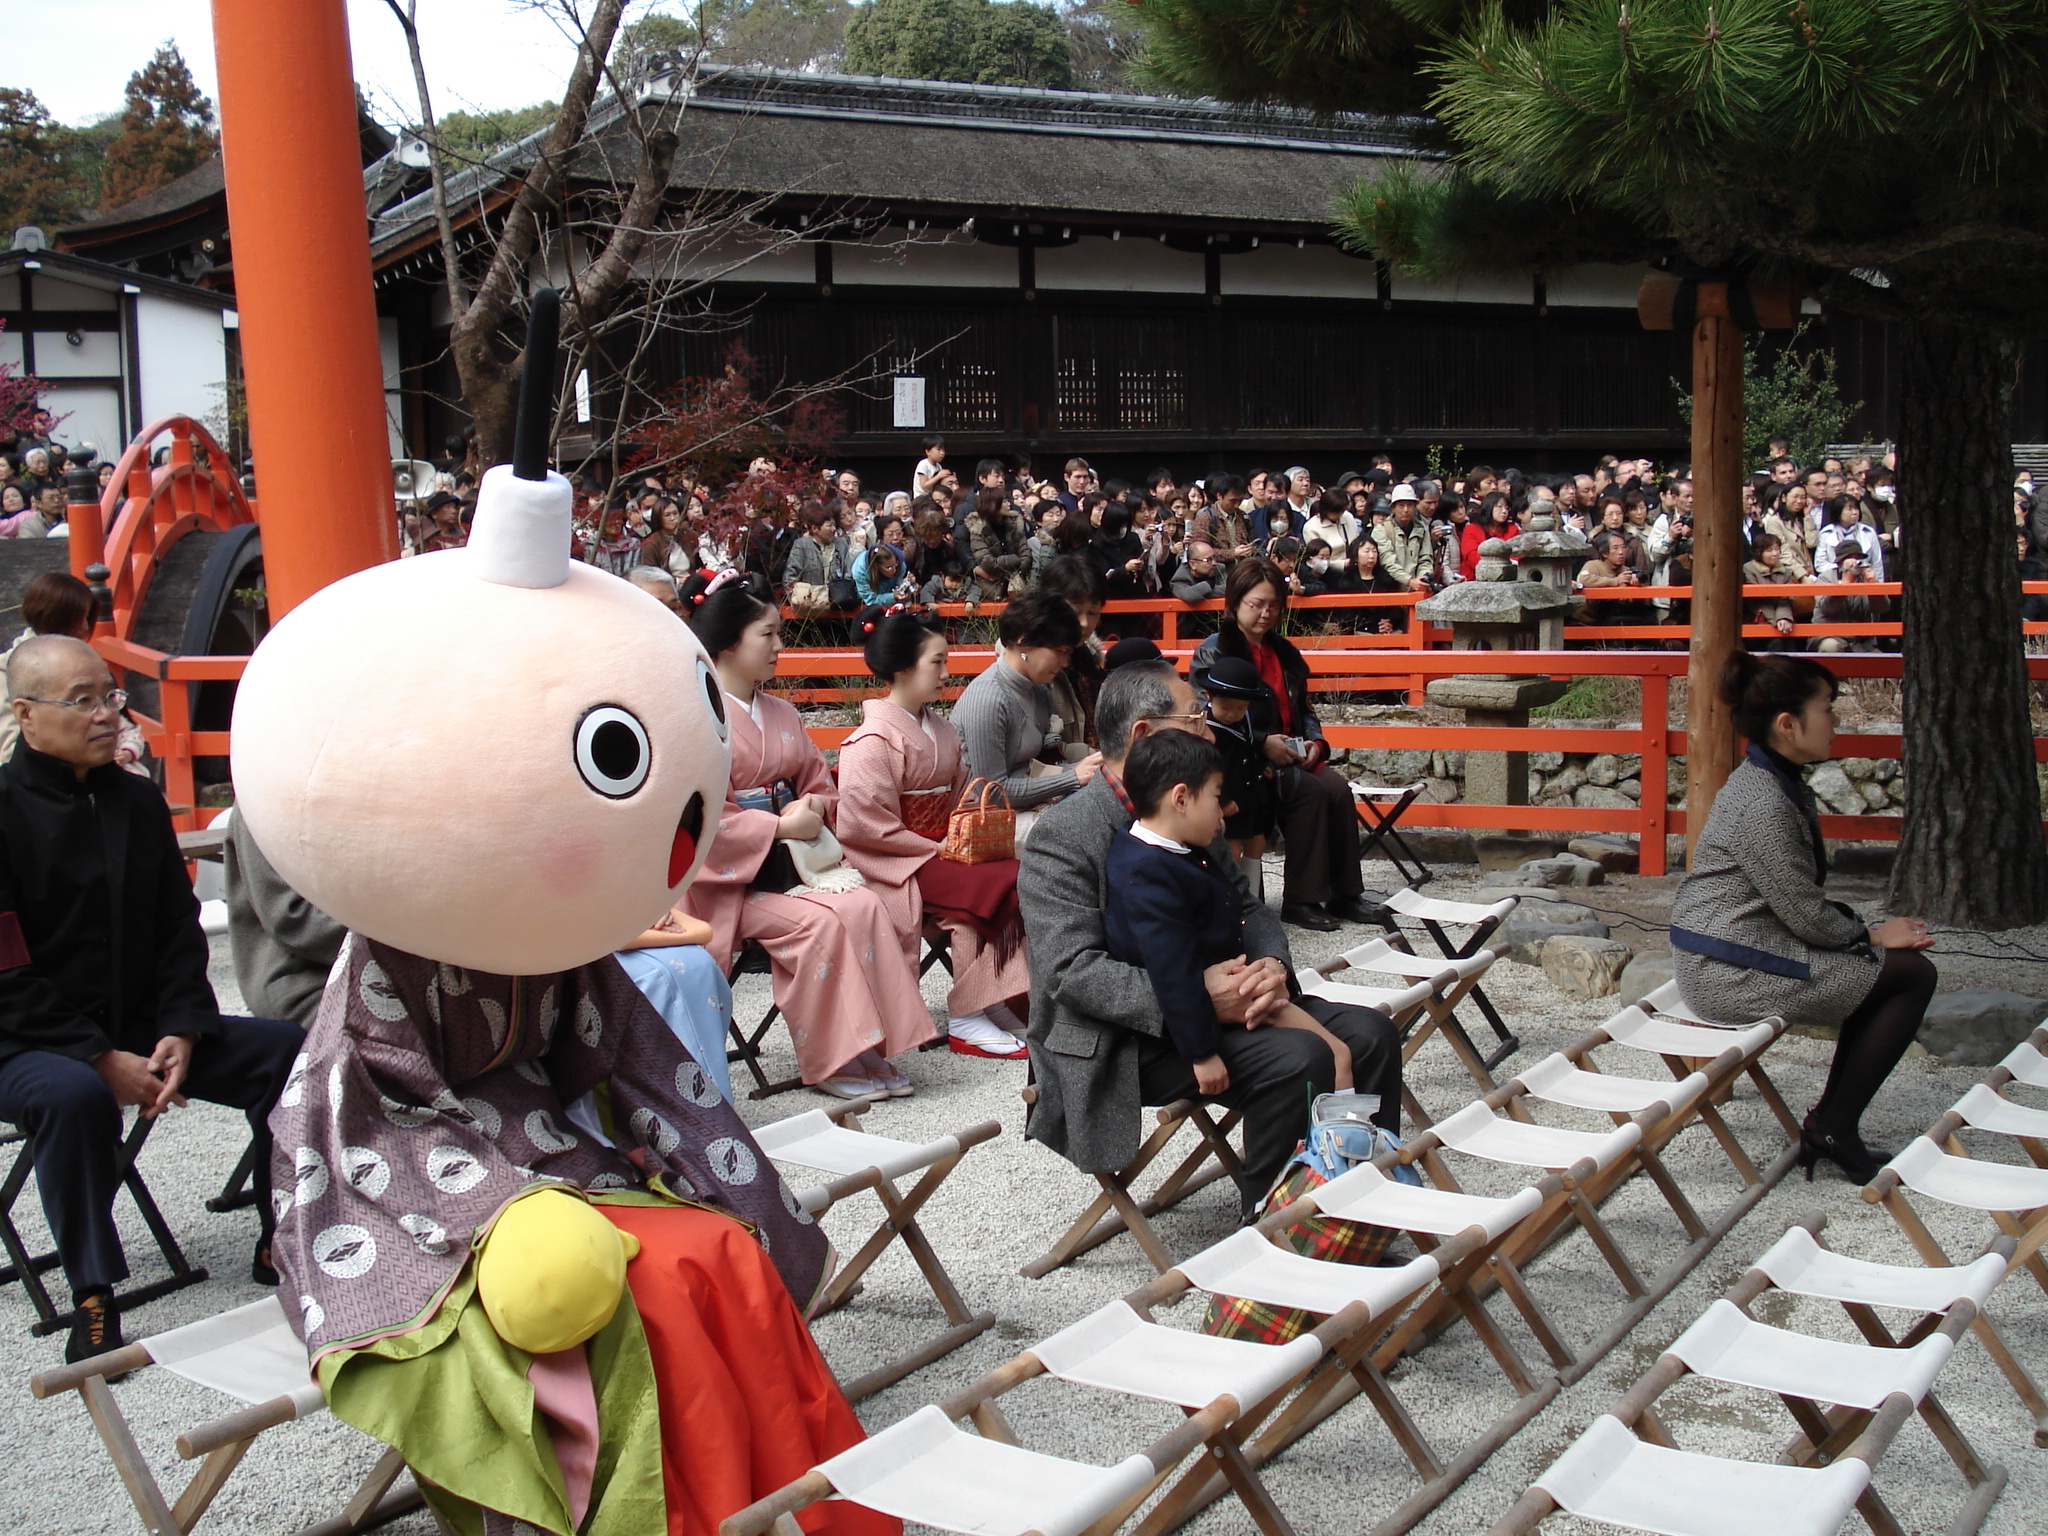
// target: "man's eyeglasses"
[[1190, 718], [113, 703]]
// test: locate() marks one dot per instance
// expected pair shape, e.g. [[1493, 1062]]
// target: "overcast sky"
[[76, 55]]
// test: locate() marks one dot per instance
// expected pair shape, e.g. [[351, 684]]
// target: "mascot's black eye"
[[612, 751], [714, 694]]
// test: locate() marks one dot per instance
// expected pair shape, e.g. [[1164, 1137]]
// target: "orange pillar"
[[301, 253]]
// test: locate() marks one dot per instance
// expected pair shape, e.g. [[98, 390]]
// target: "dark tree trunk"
[[1971, 851], [490, 392]]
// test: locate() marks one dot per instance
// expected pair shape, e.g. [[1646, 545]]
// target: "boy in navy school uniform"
[[1172, 914], [1251, 802]]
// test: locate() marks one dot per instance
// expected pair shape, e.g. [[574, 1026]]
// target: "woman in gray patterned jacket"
[[1752, 931]]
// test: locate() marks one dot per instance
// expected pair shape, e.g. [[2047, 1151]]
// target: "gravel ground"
[[1010, 1198]]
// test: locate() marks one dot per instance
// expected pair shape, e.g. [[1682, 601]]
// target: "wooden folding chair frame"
[[1436, 1015], [2028, 1231], [380, 1498], [29, 1268], [899, 1221], [1664, 1000], [1119, 1209], [1383, 828], [1482, 930], [1826, 1435]]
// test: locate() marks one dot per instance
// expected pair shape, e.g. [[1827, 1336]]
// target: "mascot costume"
[[524, 1238]]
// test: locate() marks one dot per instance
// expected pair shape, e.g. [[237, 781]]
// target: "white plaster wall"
[[88, 413], [1485, 289], [751, 261], [928, 261], [10, 347], [98, 354], [1597, 286], [1313, 272], [183, 357], [1103, 265], [394, 401]]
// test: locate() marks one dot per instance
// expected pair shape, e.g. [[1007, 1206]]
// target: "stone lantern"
[[1502, 614], [1554, 556]]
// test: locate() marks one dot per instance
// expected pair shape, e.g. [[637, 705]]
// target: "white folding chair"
[[1688, 1040], [1380, 808], [252, 1355], [2014, 1197], [1628, 1471], [1481, 920], [827, 1141], [1405, 1007], [1119, 1208], [1452, 986]]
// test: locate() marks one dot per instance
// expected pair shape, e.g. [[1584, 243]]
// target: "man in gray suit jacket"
[[1099, 1047]]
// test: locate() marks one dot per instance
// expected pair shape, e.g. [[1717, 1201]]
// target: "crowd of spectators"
[[832, 547], [32, 481]]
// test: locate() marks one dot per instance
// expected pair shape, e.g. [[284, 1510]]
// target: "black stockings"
[[1873, 1039]]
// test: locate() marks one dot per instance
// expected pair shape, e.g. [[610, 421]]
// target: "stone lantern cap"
[[1522, 604], [1550, 544]]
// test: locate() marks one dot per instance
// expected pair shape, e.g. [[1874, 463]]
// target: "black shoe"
[[95, 1330], [1303, 915], [1844, 1149], [261, 1270], [1357, 909]]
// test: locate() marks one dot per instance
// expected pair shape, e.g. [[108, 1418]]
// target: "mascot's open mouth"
[[683, 852]]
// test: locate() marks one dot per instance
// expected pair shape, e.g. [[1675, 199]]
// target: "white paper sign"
[[909, 402]]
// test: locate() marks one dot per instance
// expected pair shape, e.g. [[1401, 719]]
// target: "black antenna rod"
[[537, 387]]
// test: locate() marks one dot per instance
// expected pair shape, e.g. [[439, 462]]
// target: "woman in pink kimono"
[[840, 977], [899, 776]]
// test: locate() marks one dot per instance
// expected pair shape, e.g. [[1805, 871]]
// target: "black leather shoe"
[[1303, 915], [1845, 1149], [1357, 909], [95, 1330], [261, 1270]]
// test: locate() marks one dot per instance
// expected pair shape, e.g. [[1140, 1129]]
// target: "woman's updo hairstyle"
[[1038, 618], [1759, 688], [895, 642], [724, 614]]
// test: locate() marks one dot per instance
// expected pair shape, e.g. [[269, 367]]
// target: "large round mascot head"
[[495, 757]]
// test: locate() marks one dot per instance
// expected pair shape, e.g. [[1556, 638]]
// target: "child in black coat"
[[1173, 914], [1251, 803]]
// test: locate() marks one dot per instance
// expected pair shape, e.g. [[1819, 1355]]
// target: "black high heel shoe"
[[1844, 1149]]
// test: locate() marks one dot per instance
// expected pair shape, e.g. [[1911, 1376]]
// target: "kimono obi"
[[773, 798]]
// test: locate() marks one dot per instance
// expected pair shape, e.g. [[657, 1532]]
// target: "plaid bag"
[[1340, 1138]]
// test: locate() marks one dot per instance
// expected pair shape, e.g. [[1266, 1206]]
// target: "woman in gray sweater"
[[1004, 716], [1752, 931]]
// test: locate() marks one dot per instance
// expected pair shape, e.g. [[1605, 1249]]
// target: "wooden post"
[[302, 286], [1716, 552]]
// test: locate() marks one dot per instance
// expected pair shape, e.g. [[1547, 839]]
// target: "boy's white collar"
[[1145, 834]]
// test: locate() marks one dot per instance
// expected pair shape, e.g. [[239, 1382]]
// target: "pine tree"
[[167, 129], [39, 184], [1890, 154]]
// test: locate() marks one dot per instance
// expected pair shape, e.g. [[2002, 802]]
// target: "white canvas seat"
[[1480, 921], [926, 1469], [250, 1354], [829, 1141], [1389, 1000], [2026, 1064], [1728, 1345], [1115, 1349], [1477, 1131], [1849, 1401], [1610, 1476], [1452, 982], [1379, 955], [1967, 1181], [1680, 1044], [1555, 1080], [1983, 1108], [1247, 1264], [1366, 1194], [1635, 1029], [1798, 1263], [1416, 1010]]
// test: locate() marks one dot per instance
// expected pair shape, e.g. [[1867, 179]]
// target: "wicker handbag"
[[928, 812], [980, 833]]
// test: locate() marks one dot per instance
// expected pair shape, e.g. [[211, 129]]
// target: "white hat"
[[1403, 493]]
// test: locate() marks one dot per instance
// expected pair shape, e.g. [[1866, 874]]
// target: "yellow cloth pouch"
[[551, 1271]]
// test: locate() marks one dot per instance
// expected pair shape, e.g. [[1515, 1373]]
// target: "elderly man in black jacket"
[[104, 1000]]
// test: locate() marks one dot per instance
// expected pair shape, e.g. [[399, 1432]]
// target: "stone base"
[[1977, 1026], [1511, 850], [1616, 855], [1585, 967]]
